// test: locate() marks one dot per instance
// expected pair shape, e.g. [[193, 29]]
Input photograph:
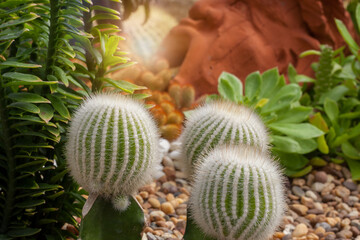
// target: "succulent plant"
[[237, 194], [112, 145], [218, 123]]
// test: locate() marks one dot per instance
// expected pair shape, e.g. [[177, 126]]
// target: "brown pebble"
[[167, 208], [299, 209], [320, 230], [342, 192], [154, 202], [321, 176], [170, 197], [300, 230], [279, 235], [312, 236]]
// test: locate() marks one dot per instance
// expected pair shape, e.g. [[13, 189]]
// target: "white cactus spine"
[[218, 123], [112, 145], [238, 194]]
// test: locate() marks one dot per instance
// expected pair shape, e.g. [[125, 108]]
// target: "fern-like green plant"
[[39, 42]]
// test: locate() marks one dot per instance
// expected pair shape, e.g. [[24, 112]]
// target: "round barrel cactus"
[[219, 123], [112, 145], [238, 194]]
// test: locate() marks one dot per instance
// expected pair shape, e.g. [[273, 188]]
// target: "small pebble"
[[321, 177], [167, 208], [300, 230]]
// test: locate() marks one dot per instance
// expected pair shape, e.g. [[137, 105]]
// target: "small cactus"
[[219, 123], [112, 145], [238, 194]]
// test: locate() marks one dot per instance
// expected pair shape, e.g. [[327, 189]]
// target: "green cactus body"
[[112, 145], [237, 194], [219, 123]]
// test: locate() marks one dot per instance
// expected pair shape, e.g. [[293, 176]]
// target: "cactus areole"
[[238, 194], [218, 123], [112, 145]]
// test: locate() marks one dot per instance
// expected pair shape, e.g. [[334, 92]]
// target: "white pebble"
[[164, 146], [175, 155]]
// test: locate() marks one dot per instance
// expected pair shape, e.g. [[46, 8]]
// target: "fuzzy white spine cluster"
[[112, 145], [218, 123], [238, 194]]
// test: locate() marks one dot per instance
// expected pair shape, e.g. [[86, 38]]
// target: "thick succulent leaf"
[[354, 168], [193, 231], [298, 130], [294, 115], [114, 224], [230, 87], [252, 85], [350, 151]]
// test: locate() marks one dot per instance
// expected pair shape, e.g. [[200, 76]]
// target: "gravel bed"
[[322, 205]]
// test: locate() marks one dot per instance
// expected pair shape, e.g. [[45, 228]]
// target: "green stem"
[[54, 20], [10, 193]]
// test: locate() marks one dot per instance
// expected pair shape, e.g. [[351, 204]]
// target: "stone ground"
[[322, 205]]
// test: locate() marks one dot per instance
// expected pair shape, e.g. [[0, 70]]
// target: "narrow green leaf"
[[105, 26], [28, 97], [13, 34], [30, 203], [23, 19], [29, 107], [61, 75], [123, 85], [22, 77], [334, 94], [354, 48], [59, 106], [300, 173], [292, 73], [252, 85], [298, 130], [66, 62], [46, 112], [331, 109], [104, 16], [19, 64], [121, 66], [309, 52], [23, 232], [350, 151], [354, 166], [104, 9]]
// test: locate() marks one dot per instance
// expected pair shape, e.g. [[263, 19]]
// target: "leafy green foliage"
[[279, 106], [101, 55], [338, 102], [42, 61]]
